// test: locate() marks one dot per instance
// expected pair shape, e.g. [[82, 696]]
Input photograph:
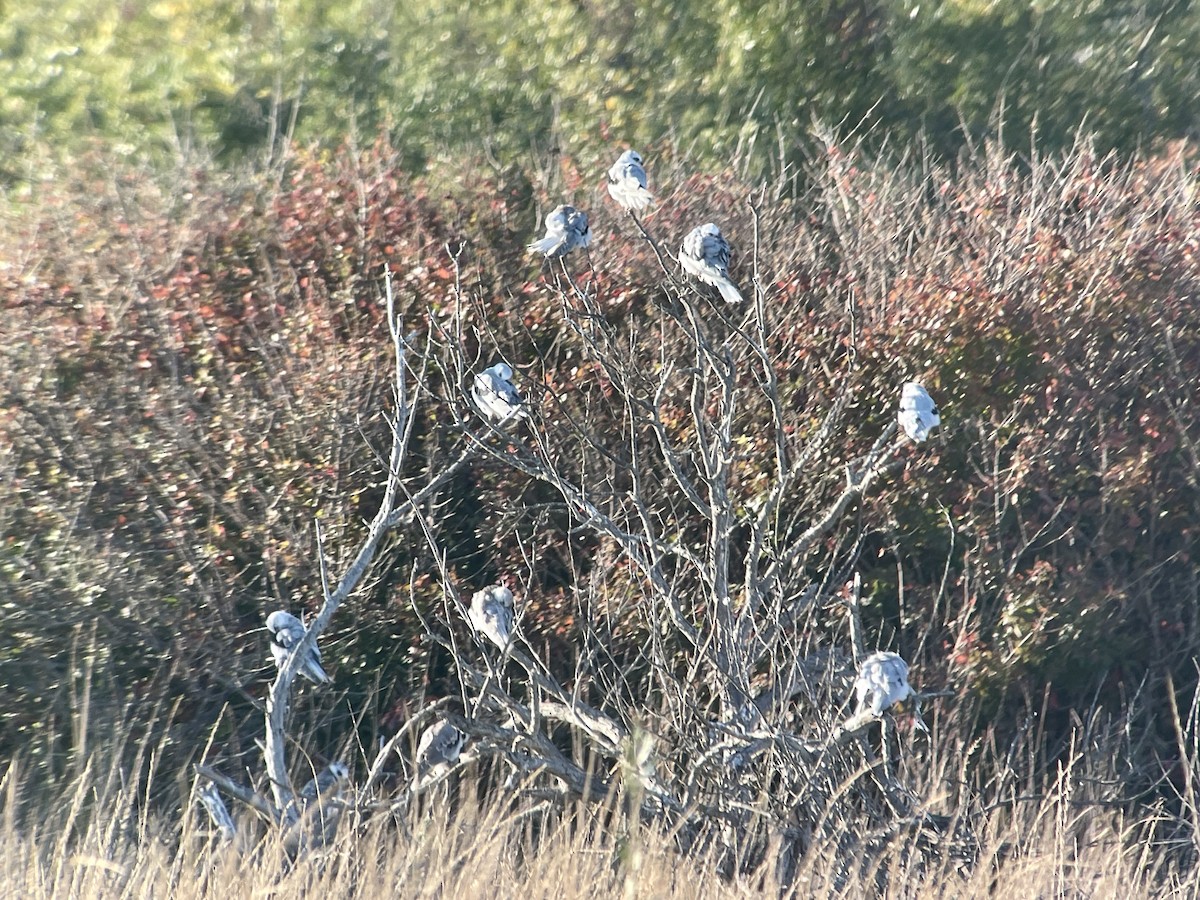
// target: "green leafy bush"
[[725, 80]]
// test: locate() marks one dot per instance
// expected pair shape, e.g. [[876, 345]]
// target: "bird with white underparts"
[[439, 746], [286, 633], [882, 682], [491, 615], [627, 182], [918, 413], [327, 785], [496, 396], [326, 781], [566, 229], [705, 255]]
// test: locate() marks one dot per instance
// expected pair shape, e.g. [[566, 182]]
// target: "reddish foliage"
[[198, 359]]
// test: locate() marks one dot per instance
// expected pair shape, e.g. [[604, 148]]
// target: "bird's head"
[[279, 620]]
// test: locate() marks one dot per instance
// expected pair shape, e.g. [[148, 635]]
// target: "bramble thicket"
[[998, 201]]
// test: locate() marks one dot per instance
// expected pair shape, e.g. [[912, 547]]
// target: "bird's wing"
[[504, 389], [716, 252], [487, 396], [446, 740], [638, 173], [437, 743], [577, 223], [503, 615], [628, 175], [556, 233], [551, 245]]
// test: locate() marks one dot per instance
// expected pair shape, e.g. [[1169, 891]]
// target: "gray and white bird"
[[705, 255], [918, 413], [286, 632], [439, 745], [496, 395], [882, 683], [627, 182], [326, 781], [566, 229], [491, 614]]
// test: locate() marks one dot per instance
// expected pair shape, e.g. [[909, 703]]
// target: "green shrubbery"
[[723, 79]]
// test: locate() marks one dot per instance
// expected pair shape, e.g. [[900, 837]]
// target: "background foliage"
[[201, 372], [721, 78], [199, 200]]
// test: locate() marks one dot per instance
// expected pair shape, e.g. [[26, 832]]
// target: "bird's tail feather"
[[545, 245], [640, 198], [729, 293]]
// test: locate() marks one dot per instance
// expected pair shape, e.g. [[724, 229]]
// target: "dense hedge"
[[197, 370]]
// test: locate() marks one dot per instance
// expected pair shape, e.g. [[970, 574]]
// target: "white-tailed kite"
[[439, 745], [566, 229], [705, 254], [918, 414], [491, 614], [882, 683], [627, 182], [286, 632], [496, 396], [327, 779]]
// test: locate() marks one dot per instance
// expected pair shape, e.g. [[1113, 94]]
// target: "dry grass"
[[97, 836]]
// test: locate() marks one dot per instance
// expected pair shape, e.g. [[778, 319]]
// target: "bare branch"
[[206, 792], [238, 792], [278, 700]]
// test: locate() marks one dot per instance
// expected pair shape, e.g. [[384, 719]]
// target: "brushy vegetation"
[[198, 367], [199, 203], [1050, 835]]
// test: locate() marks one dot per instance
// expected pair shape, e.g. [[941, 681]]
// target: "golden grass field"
[[88, 838]]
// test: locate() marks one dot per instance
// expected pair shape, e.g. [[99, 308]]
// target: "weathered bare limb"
[[239, 792], [278, 699], [207, 794]]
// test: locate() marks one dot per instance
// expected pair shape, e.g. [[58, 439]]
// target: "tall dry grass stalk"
[[97, 836]]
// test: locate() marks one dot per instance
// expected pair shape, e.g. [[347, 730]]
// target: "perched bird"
[[705, 254], [882, 683], [627, 182], [496, 396], [491, 614], [327, 784], [566, 229], [918, 414], [440, 744], [287, 631], [327, 779]]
